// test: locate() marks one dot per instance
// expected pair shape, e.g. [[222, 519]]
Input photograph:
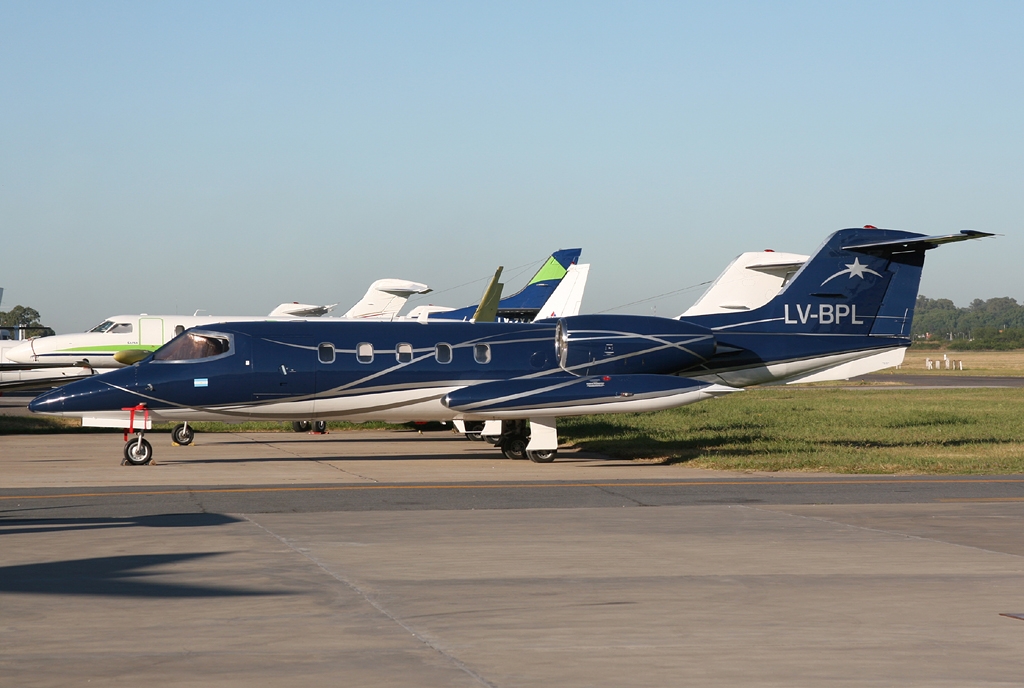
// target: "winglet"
[[487, 311]]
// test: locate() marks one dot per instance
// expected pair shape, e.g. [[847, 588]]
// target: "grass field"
[[836, 430], [858, 430]]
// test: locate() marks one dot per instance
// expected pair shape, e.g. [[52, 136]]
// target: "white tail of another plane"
[[567, 298], [750, 281], [385, 298]]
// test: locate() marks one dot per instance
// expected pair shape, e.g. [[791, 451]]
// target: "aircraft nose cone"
[[82, 398], [48, 402], [22, 353]]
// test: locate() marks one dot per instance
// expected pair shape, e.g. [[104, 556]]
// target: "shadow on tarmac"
[[57, 525], [121, 576]]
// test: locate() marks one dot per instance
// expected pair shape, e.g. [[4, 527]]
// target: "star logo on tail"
[[854, 269]]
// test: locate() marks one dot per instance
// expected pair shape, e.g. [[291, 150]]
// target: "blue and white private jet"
[[851, 301]]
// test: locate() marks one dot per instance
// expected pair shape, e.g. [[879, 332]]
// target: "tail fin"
[[527, 302], [750, 281], [385, 298], [858, 282], [567, 298]]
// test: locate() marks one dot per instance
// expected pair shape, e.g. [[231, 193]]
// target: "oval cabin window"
[[364, 352], [443, 353]]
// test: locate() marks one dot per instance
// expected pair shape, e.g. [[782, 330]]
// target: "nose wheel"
[[138, 451]]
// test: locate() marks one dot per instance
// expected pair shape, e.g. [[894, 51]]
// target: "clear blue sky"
[[164, 157]]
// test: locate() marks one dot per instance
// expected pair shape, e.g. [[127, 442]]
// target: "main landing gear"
[[182, 434], [516, 436], [317, 427]]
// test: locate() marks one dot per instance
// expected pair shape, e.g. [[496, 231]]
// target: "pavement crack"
[[613, 493], [369, 599], [274, 445], [352, 473], [322, 462]]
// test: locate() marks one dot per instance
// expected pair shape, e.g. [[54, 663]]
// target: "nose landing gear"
[[137, 451]]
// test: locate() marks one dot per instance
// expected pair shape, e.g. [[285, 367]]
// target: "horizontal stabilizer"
[[301, 310], [921, 243], [576, 396]]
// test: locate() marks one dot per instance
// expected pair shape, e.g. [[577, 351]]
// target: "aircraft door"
[[151, 332], [284, 377]]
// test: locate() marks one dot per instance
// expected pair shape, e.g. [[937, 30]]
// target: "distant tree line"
[[25, 316], [993, 324]]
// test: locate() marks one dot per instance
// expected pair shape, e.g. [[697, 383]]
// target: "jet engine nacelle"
[[630, 344]]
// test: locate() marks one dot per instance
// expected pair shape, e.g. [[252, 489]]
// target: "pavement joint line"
[[968, 500], [893, 533], [500, 486], [302, 552]]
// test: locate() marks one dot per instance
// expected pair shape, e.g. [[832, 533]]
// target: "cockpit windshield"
[[103, 326], [192, 346]]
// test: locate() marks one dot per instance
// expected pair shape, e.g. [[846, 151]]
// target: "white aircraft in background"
[[55, 360]]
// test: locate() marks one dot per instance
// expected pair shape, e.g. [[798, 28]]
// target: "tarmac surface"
[[401, 559]]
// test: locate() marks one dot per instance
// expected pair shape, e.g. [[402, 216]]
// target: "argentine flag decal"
[[201, 382]]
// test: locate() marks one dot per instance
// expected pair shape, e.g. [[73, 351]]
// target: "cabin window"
[[403, 352], [326, 352], [121, 328], [443, 353], [178, 329], [364, 352], [194, 346], [482, 353]]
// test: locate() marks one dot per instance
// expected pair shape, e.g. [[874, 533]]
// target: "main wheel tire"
[[514, 447], [475, 436], [320, 426], [301, 426], [542, 455], [138, 452], [491, 439], [182, 434]]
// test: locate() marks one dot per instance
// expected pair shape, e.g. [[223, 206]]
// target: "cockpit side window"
[[121, 328], [103, 326], [194, 346]]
